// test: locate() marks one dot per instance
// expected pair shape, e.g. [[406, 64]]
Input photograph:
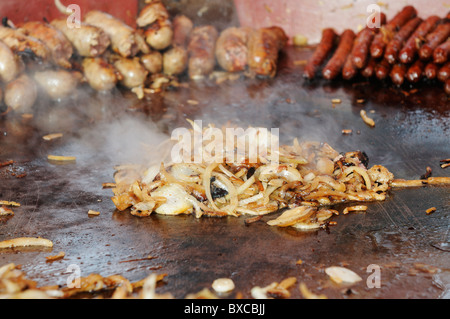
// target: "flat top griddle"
[[410, 247]]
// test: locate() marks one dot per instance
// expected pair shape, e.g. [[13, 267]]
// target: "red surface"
[[20, 11]]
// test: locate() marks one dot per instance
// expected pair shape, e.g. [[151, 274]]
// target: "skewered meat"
[[20, 43], [88, 40], [100, 75], [201, 50], [133, 72], [263, 50], [182, 28], [21, 94], [10, 64], [231, 49], [159, 35], [153, 62], [334, 66], [60, 47], [122, 36], [409, 51], [323, 50], [153, 11], [387, 31], [175, 61]]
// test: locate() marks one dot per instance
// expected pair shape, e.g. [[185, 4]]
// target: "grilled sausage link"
[[231, 49], [398, 73], [153, 11], [60, 47], [10, 64], [122, 36], [133, 72], [322, 51], [361, 47], [444, 72], [153, 62], [175, 61], [201, 50], [337, 61], [100, 75], [57, 84], [431, 70], [387, 31], [395, 45], [441, 53], [383, 69], [434, 39], [182, 28], [159, 35], [409, 51], [21, 43], [87, 40], [263, 50], [21, 94], [416, 71]]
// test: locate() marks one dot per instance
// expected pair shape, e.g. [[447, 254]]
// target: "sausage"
[[444, 72], [349, 70], [383, 69], [153, 62], [100, 75], [369, 70], [87, 40], [159, 35], [336, 63], [231, 49], [441, 53], [398, 73], [409, 51], [133, 72], [10, 64], [447, 87], [397, 42], [21, 94], [361, 46], [57, 84], [60, 47], [433, 39], [264, 45], [175, 60], [387, 31], [201, 50], [322, 51], [20, 43], [182, 28], [122, 36], [431, 70], [415, 71], [153, 11]]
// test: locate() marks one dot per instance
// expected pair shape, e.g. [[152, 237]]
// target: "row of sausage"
[[104, 52], [405, 49]]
